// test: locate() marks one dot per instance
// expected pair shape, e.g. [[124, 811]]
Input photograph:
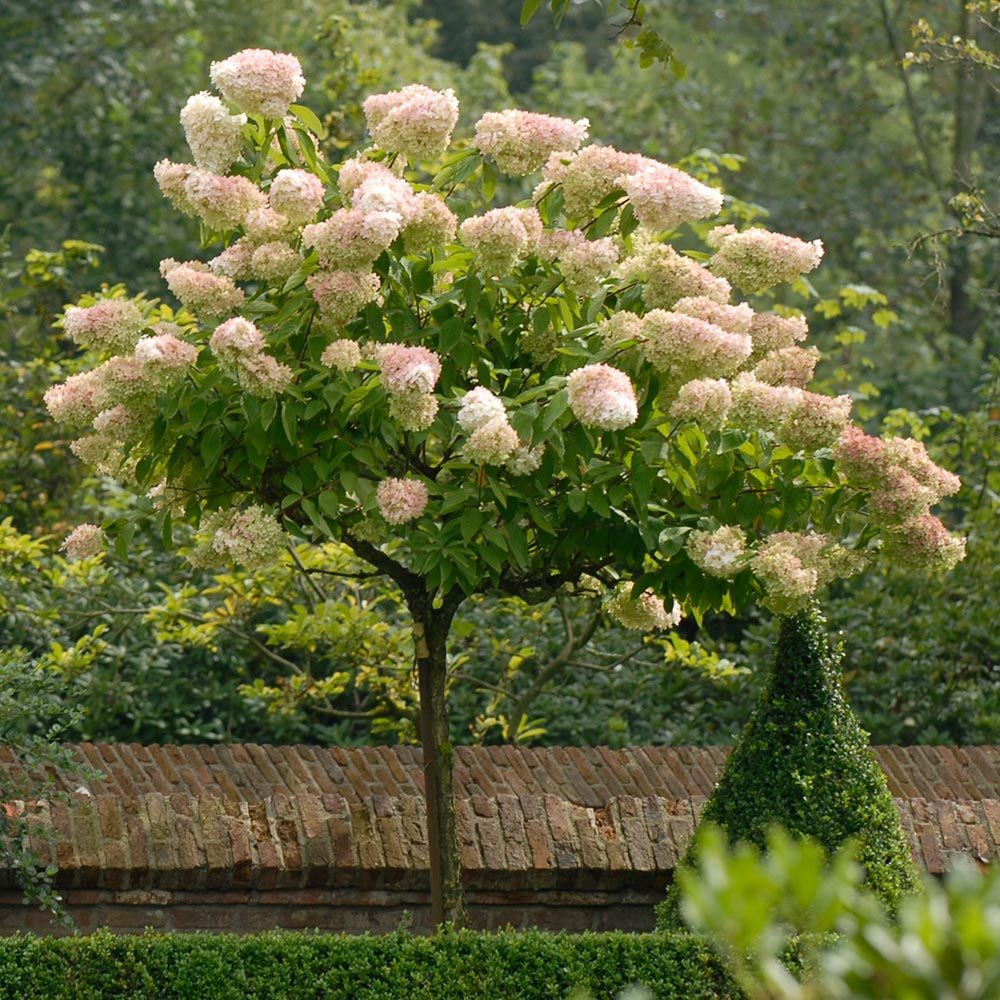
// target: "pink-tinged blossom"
[[408, 368], [589, 176], [235, 340], [264, 225], [296, 194], [412, 409], [165, 357], [815, 422], [705, 402], [757, 259], [521, 141], [343, 354], [354, 172], [668, 276], [83, 542], [74, 402], [602, 397], [789, 366], [341, 295], [664, 198], [109, 325], [720, 553], [785, 564], [758, 406], [213, 134], [171, 178], [221, 202], [501, 238], [923, 544], [351, 239], [911, 455], [771, 332], [199, 289], [899, 498], [525, 460], [431, 224], [121, 380], [415, 122], [386, 193], [121, 423], [252, 537], [686, 348], [274, 262], [619, 326], [732, 319], [861, 457], [491, 443], [259, 81], [477, 407], [262, 375], [643, 613], [553, 243], [585, 264], [234, 261], [101, 452], [401, 500]]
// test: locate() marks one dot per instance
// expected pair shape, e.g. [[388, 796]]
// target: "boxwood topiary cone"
[[804, 762]]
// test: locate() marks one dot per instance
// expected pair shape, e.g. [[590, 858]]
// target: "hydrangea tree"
[[558, 395]]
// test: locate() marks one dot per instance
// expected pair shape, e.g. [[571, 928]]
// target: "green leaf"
[[555, 409], [308, 118], [529, 9], [211, 448]]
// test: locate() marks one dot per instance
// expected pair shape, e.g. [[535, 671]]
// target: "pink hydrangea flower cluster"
[[720, 553], [239, 346], [430, 223], [274, 262], [221, 202], [351, 239], [904, 483], [602, 397], [584, 263], [214, 136], [409, 375], [619, 326], [354, 172], [663, 197], [589, 176], [264, 225], [478, 406], [341, 295], [732, 319], [259, 81], [83, 542], [171, 178], [200, 290], [492, 440], [521, 141], [235, 261], [165, 357], [792, 566], [644, 613], [705, 402], [76, 401], [501, 238], [686, 348], [525, 459], [343, 354], [384, 193], [757, 259], [296, 194], [401, 500], [792, 366], [668, 276], [771, 332], [251, 537], [108, 325], [415, 122]]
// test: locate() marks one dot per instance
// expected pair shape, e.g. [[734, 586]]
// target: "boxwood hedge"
[[460, 965]]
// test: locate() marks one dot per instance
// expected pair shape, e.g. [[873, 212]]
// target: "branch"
[[405, 579]]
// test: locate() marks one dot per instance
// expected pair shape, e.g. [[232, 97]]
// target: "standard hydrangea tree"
[[530, 399]]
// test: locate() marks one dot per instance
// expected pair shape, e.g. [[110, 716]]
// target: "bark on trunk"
[[430, 635]]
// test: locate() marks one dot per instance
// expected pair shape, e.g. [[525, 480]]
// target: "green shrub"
[[283, 966], [804, 762]]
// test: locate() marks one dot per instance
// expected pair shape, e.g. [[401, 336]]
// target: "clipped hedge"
[[459, 965], [805, 763]]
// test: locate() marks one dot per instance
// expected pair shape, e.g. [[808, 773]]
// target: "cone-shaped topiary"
[[804, 762]]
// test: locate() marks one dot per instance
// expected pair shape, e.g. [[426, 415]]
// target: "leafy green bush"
[[804, 762], [449, 966]]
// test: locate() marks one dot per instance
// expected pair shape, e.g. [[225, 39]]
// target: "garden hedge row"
[[451, 966]]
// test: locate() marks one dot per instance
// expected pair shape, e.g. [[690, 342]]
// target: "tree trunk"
[[430, 635]]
